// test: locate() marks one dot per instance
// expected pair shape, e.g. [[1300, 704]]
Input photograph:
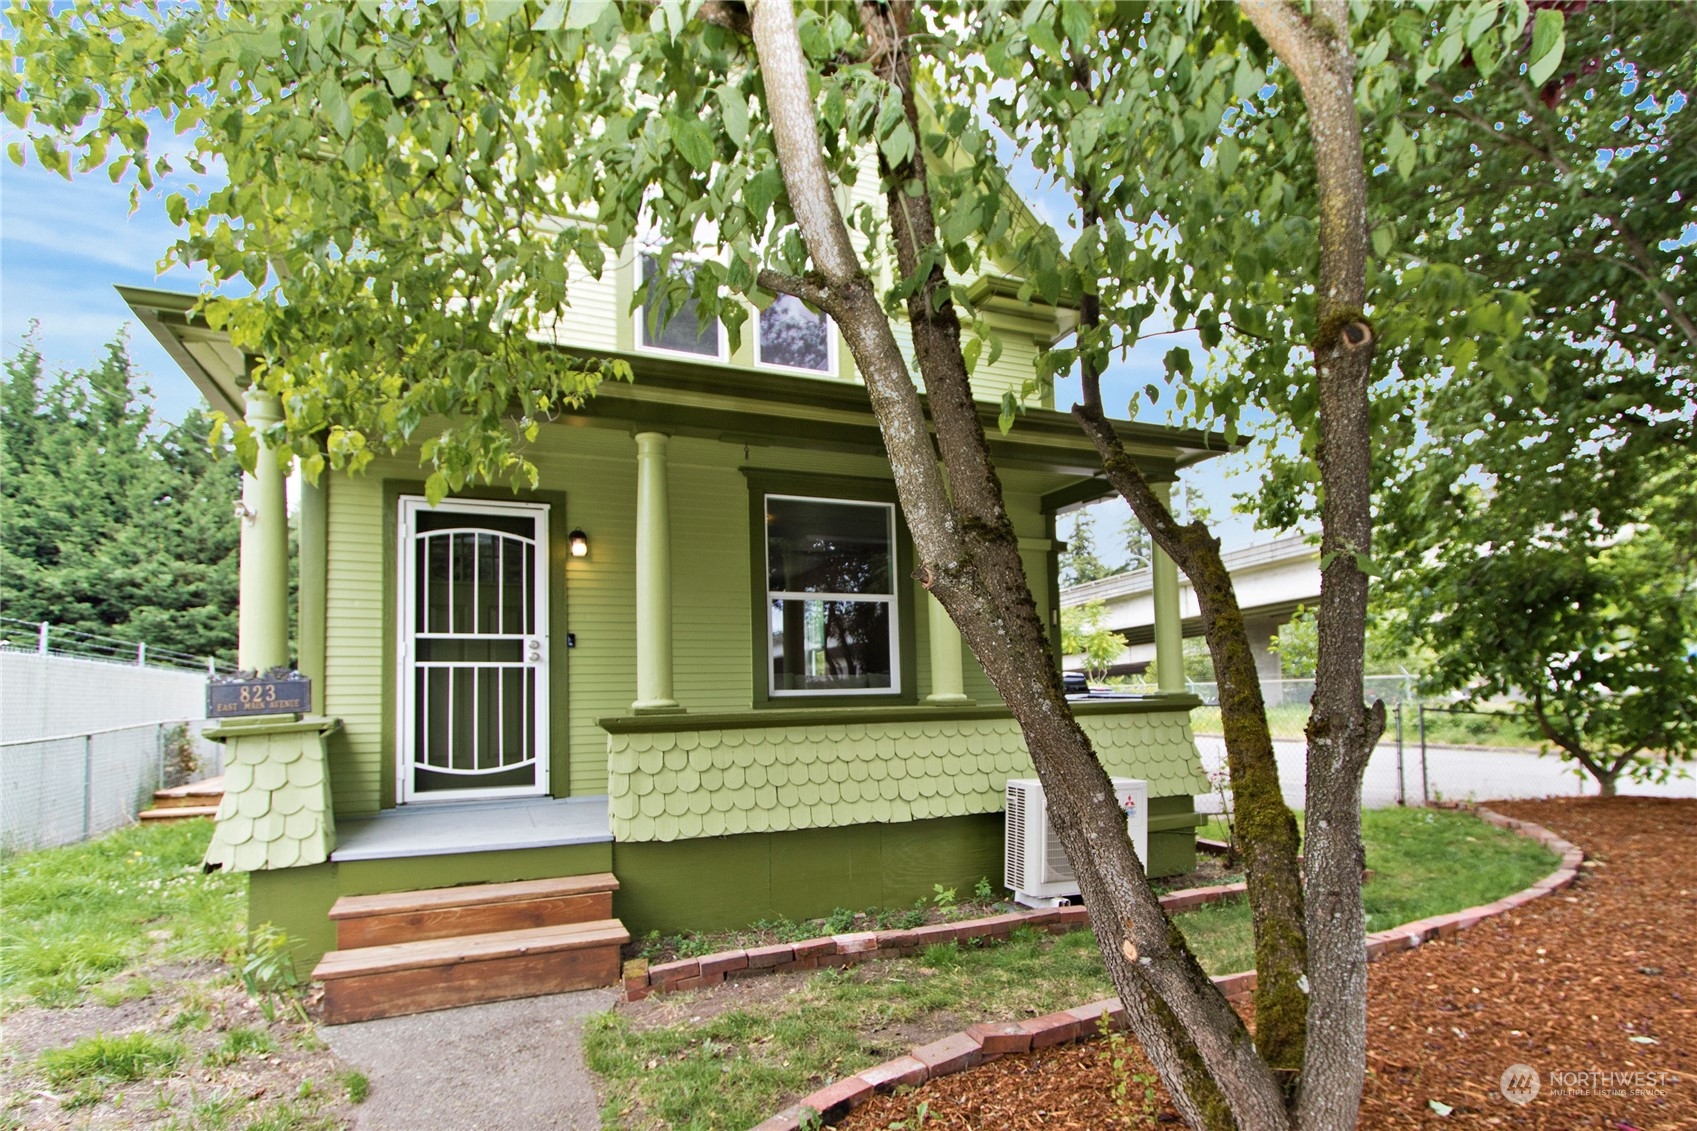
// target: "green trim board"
[[686, 783], [559, 682], [730, 720], [764, 481]]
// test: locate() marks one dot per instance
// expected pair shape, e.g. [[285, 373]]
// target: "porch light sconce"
[[579, 543]]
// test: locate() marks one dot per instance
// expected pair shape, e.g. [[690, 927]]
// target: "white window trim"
[[830, 369], [641, 319], [889, 599]]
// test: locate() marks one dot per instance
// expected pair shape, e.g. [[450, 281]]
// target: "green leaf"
[[897, 145], [1400, 148], [690, 138], [1075, 19], [1382, 240], [15, 151], [1010, 410], [586, 13], [1549, 39], [553, 17], [1248, 80], [435, 488], [1178, 362], [1227, 153], [761, 191], [733, 111], [1085, 129], [335, 105]]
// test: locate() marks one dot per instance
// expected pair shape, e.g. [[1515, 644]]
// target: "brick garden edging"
[[641, 979], [986, 1042]]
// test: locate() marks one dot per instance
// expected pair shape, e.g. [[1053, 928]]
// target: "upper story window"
[[831, 604], [683, 329], [795, 336]]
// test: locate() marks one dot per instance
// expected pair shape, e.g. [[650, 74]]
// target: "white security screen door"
[[474, 650]]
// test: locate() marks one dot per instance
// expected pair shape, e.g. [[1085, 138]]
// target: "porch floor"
[[473, 826]]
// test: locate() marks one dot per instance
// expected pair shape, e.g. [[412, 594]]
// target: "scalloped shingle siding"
[[677, 785]]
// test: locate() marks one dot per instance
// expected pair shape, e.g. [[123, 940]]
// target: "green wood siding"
[[356, 669], [588, 476], [726, 883]]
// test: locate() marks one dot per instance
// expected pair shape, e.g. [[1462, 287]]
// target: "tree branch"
[[807, 290]]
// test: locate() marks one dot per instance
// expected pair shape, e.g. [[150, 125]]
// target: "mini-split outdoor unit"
[[1034, 864]]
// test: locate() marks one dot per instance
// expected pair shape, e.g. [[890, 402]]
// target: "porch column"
[[653, 578], [1169, 628], [262, 639], [947, 686]]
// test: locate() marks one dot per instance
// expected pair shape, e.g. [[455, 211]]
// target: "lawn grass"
[[116, 1060], [79, 918], [734, 1069]]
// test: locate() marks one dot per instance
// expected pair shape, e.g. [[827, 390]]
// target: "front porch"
[[448, 828]]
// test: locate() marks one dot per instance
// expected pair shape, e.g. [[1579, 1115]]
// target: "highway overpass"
[[1271, 579]]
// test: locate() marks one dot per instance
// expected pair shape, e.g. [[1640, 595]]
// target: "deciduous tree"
[[1539, 532], [448, 163]]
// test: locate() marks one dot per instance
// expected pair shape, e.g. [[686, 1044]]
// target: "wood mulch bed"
[[1599, 979]]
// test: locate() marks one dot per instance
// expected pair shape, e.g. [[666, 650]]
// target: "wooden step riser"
[[187, 801], [454, 922], [367, 997], [169, 816]]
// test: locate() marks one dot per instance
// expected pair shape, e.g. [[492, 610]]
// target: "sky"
[[65, 245]]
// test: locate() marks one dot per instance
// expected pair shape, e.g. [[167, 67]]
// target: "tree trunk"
[[970, 561], [1341, 731], [1265, 826]]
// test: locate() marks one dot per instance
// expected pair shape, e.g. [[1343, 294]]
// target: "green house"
[[693, 659]]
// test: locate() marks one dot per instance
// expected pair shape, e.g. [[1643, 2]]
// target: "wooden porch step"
[[195, 795], [177, 813], [416, 977], [448, 913]]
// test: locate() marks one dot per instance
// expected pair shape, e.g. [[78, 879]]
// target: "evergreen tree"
[[1079, 562], [111, 521], [1139, 550]]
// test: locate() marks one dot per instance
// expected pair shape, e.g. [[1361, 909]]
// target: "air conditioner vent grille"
[[1013, 854]]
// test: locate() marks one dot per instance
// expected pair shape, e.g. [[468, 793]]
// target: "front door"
[[474, 650]]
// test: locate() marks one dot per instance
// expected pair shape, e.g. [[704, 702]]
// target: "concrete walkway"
[[507, 1066]]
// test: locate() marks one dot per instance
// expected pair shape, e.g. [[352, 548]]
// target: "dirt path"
[[1593, 989]]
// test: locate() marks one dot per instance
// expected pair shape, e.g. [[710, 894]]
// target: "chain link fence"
[[66, 789], [1428, 752], [46, 639]]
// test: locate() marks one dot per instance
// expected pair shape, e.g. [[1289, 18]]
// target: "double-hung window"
[[795, 336], [679, 328], [831, 607]]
